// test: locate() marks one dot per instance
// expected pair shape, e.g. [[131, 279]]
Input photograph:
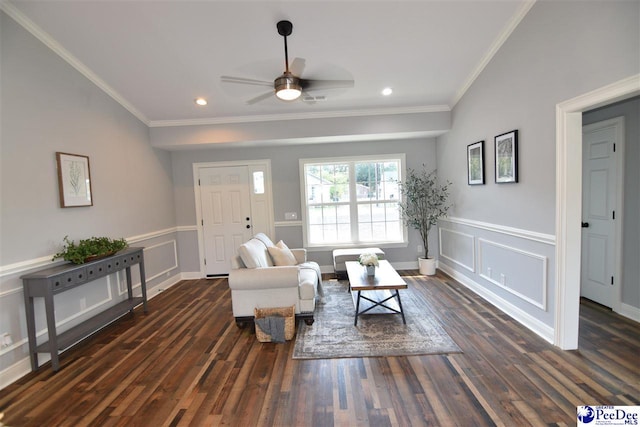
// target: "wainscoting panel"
[[521, 273], [458, 248], [510, 267]]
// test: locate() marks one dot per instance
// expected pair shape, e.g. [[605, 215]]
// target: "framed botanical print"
[[475, 163], [74, 180], [506, 152]]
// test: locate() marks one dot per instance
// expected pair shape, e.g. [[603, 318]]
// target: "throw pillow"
[[281, 254]]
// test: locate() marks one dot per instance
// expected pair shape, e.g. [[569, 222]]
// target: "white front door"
[[226, 215], [600, 192]]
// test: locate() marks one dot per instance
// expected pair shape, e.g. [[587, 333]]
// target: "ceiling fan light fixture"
[[287, 87]]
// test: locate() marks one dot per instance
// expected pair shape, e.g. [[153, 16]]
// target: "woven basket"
[[289, 314]]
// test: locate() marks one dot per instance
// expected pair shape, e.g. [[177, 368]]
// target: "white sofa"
[[265, 275]]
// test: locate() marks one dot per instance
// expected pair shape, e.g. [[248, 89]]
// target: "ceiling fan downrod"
[[285, 28]]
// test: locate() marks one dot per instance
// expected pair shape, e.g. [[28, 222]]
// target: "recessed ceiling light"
[[387, 91], [201, 101]]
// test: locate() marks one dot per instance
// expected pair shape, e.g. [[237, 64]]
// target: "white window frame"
[[401, 157]]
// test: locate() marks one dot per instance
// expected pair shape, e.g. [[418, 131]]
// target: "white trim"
[[152, 235], [568, 210], [493, 49], [544, 282], [630, 312], [63, 53], [548, 239], [522, 317], [186, 228], [21, 266], [26, 265], [471, 268], [288, 224], [301, 116]]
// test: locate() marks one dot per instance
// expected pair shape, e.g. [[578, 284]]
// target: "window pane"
[[364, 230], [364, 213], [343, 215], [329, 215], [315, 215], [258, 182]]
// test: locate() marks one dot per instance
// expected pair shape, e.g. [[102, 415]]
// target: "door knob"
[[585, 225], [248, 226], [248, 218]]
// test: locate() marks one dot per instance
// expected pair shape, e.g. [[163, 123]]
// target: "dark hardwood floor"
[[186, 363]]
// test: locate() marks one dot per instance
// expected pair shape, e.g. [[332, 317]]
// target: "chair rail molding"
[[548, 239]]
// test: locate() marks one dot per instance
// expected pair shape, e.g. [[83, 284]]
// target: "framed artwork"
[[475, 163], [74, 180], [506, 151]]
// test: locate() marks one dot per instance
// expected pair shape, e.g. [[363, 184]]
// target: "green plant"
[[87, 248], [424, 202]]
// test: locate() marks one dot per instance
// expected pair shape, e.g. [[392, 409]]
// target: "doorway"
[[233, 202], [602, 213], [568, 202]]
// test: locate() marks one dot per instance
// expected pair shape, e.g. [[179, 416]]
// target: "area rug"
[[333, 334]]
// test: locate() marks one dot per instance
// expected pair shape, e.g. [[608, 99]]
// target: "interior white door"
[[226, 215], [599, 199]]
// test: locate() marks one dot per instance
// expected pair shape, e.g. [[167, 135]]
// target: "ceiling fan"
[[288, 86]]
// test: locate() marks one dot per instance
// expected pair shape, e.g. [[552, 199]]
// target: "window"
[[352, 200]]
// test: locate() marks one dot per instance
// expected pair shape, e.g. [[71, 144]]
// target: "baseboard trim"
[[630, 312], [544, 331]]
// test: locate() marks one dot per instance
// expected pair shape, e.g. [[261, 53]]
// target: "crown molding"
[[497, 44], [300, 116], [56, 47]]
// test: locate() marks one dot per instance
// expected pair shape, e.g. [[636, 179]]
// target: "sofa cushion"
[[254, 254], [281, 254]]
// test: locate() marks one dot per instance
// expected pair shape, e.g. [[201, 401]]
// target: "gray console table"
[[54, 280]]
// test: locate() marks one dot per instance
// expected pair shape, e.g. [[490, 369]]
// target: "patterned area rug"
[[333, 334]]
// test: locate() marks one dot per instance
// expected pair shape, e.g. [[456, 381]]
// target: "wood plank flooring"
[[187, 364]]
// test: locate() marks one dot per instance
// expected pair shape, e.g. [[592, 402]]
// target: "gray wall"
[[630, 110], [47, 106], [559, 51], [286, 184]]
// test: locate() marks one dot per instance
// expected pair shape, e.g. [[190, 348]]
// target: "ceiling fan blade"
[[260, 98], [242, 80], [311, 84], [297, 66]]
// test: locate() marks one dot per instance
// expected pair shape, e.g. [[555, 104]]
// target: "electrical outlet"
[[419, 249], [489, 271], [83, 303], [291, 216], [6, 340], [503, 279]]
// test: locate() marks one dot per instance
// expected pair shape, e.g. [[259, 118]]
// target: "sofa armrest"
[[300, 254], [264, 278]]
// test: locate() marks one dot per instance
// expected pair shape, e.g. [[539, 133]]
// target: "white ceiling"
[[156, 57]]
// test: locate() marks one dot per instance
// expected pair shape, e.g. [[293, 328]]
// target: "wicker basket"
[[289, 314]]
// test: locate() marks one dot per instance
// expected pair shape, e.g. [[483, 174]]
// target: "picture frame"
[[475, 163], [74, 180], [506, 156]]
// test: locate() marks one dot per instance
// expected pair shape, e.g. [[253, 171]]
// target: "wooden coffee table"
[[377, 294]]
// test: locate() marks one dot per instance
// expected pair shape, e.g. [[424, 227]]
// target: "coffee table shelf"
[[377, 294]]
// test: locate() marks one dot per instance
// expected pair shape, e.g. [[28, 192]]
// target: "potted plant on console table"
[[424, 201], [89, 249]]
